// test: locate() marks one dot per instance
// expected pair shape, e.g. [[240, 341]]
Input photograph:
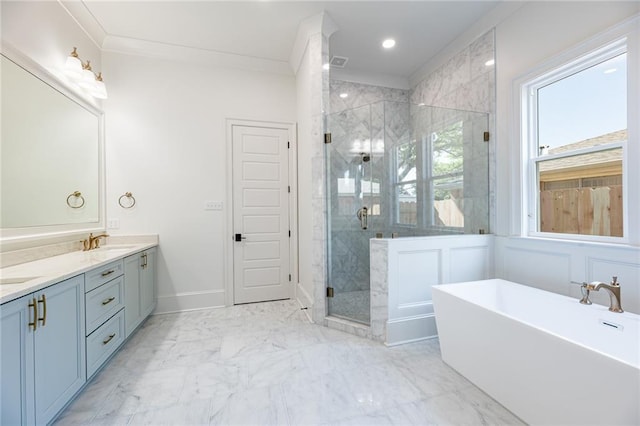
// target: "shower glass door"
[[355, 159], [398, 170]]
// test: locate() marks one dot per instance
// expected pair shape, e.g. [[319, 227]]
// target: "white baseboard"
[[190, 301], [303, 297], [405, 330]]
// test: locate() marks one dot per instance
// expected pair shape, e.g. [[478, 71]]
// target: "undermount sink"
[[16, 280]]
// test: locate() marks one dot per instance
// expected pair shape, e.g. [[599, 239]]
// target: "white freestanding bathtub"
[[544, 356]]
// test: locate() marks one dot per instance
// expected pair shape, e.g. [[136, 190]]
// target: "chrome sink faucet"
[[613, 289]]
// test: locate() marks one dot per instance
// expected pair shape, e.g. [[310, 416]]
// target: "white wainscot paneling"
[[560, 266], [469, 264], [541, 269], [414, 282], [416, 264]]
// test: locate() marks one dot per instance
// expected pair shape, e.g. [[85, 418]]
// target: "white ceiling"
[[268, 29]]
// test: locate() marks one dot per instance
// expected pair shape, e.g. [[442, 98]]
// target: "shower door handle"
[[363, 214]]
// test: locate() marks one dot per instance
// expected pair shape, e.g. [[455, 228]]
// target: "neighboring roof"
[[603, 163], [617, 136]]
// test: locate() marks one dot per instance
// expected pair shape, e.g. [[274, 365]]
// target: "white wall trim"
[[85, 21], [320, 23], [302, 296], [190, 301], [149, 49], [293, 201], [411, 329]]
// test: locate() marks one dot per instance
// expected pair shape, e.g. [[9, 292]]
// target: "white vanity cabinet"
[[140, 289], [42, 352]]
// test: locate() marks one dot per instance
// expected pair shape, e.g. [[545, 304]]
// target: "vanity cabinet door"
[[132, 312], [139, 288], [43, 352], [59, 361], [16, 362], [147, 282]]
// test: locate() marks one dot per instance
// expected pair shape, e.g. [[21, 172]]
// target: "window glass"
[[582, 194], [407, 204], [447, 150], [579, 114], [448, 202], [406, 161], [584, 106]]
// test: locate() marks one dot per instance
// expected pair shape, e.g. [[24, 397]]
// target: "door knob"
[[239, 237]]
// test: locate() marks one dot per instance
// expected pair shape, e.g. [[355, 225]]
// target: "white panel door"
[[260, 214]]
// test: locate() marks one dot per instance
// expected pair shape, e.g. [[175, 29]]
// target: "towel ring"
[[131, 198], [76, 194]]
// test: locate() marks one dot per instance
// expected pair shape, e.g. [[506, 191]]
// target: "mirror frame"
[[13, 238]]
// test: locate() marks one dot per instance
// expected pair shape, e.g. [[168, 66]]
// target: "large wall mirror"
[[51, 160]]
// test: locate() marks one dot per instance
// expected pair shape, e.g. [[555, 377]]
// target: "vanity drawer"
[[99, 276], [101, 303], [104, 341]]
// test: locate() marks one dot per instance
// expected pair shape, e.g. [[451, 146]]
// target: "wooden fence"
[[587, 211], [447, 213]]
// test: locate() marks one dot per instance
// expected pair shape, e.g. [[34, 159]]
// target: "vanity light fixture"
[[82, 74], [388, 43], [88, 77], [100, 90], [73, 66]]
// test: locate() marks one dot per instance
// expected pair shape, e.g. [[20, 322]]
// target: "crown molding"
[[150, 49], [85, 20]]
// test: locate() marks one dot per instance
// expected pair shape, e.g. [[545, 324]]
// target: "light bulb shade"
[[88, 80], [100, 90], [73, 67]]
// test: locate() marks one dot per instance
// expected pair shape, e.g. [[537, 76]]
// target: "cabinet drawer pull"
[[108, 339], [107, 273], [34, 304], [109, 300], [43, 300]]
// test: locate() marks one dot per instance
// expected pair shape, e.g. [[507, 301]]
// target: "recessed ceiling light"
[[610, 70], [388, 43], [490, 62], [326, 66], [344, 95]]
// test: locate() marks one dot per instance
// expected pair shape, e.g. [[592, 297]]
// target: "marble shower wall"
[[466, 82], [357, 125]]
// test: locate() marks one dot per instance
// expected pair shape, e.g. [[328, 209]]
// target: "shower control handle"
[[362, 215]]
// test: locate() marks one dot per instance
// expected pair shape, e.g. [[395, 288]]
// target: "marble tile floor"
[[265, 364]]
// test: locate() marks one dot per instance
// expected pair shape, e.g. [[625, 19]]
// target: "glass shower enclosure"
[[394, 170]]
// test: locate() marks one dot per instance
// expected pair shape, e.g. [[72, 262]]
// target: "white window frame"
[[622, 38]]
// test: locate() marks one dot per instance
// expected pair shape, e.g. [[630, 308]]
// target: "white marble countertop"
[[25, 278]]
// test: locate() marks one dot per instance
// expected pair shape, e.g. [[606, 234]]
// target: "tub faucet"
[[614, 292]]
